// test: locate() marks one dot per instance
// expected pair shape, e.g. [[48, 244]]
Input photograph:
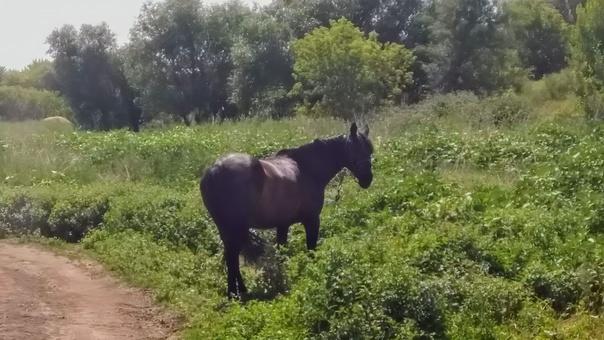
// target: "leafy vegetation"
[[542, 34], [470, 230], [589, 56], [340, 72], [18, 103], [191, 62], [89, 74]]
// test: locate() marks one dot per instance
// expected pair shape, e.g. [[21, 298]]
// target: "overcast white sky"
[[25, 24]]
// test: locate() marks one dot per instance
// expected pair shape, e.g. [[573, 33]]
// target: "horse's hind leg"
[[282, 235], [236, 286], [242, 287], [231, 255]]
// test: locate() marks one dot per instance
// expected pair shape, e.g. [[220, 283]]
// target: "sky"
[[25, 24]]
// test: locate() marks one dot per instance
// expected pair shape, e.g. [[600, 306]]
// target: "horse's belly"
[[278, 205]]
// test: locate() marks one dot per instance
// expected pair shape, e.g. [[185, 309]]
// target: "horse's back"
[[281, 194]]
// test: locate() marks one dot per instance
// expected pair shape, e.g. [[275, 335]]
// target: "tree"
[[392, 20], [588, 57], [180, 57], [567, 8], [262, 68], [469, 48], [89, 74], [38, 75], [398, 21], [165, 57], [26, 103], [225, 25], [341, 72], [541, 34]]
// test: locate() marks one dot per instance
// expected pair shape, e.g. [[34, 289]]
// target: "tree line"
[[196, 62]]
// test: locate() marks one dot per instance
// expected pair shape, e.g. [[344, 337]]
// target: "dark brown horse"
[[242, 192]]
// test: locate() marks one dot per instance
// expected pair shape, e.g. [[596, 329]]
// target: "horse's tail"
[[255, 247], [206, 188]]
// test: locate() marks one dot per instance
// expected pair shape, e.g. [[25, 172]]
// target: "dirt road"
[[47, 296]]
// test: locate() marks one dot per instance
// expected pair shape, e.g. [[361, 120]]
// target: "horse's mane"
[[313, 147], [319, 150]]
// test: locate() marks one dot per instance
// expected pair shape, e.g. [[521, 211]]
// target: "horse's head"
[[358, 155]]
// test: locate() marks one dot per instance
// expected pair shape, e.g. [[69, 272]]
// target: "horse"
[[242, 192]]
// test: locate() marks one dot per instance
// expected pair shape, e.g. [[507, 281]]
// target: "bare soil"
[[48, 296]]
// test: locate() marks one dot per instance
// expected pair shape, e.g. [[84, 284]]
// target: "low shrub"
[[560, 288], [73, 216], [20, 104]]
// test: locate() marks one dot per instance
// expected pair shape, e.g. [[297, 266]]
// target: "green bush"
[[467, 109], [73, 216], [588, 57], [18, 104], [22, 213], [343, 73], [168, 216], [560, 85], [560, 288]]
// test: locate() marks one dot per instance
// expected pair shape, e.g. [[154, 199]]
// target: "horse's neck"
[[321, 161]]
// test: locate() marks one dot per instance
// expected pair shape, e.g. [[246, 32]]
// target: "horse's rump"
[[229, 186]]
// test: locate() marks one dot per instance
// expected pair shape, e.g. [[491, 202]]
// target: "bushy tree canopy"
[[262, 68], [393, 20], [180, 56], [341, 72], [38, 74], [19, 103], [197, 61], [90, 75], [588, 55], [541, 34], [567, 8], [469, 48]]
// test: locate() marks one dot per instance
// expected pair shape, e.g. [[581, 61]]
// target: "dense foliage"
[[589, 57], [18, 103], [472, 229], [470, 48], [542, 36], [190, 62], [340, 72], [36, 75], [91, 77], [262, 73]]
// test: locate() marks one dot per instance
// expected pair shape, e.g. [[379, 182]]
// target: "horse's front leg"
[[311, 225], [282, 235]]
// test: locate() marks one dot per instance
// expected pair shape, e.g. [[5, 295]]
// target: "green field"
[[476, 226]]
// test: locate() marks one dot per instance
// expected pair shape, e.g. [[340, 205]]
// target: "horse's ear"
[[366, 131], [353, 130]]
